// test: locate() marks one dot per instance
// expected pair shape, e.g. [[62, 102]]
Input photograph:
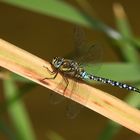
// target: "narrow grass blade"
[[53, 136], [55, 8], [23, 90], [119, 71], [131, 55], [6, 130], [18, 112], [133, 99], [109, 131], [65, 11], [128, 49]]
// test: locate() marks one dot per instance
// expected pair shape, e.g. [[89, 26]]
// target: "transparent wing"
[[55, 98], [73, 109], [86, 53], [79, 43], [79, 40], [92, 54]]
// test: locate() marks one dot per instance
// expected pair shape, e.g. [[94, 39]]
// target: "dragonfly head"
[[57, 62]]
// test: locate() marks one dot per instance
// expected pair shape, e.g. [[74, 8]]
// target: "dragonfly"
[[69, 68]]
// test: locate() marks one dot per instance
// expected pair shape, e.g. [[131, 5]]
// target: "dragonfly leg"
[[54, 76], [67, 83], [51, 72], [54, 73], [74, 86]]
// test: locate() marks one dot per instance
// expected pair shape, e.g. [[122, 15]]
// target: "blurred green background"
[[46, 37]]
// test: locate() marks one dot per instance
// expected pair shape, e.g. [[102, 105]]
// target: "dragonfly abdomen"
[[112, 82]]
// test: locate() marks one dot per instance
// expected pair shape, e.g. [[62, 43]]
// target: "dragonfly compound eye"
[[57, 62]]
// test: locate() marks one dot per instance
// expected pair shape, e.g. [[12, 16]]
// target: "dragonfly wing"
[[92, 54], [55, 98], [79, 40], [86, 53], [73, 109], [79, 43]]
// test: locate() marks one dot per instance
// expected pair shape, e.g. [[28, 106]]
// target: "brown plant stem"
[[32, 67]]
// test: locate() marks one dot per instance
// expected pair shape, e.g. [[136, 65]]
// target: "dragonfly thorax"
[[67, 66]]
